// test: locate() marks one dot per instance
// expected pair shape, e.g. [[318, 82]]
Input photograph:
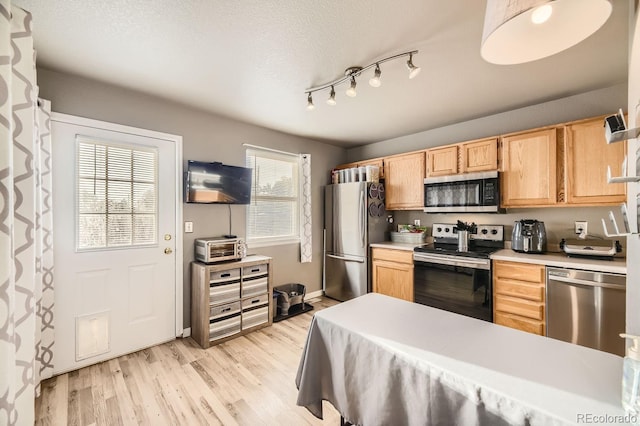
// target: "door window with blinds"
[[273, 215], [116, 195]]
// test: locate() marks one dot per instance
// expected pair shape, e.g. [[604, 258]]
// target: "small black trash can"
[[290, 295]]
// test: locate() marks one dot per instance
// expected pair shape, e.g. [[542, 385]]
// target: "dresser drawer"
[[255, 271], [219, 329], [255, 286], [253, 317], [525, 308], [224, 276], [225, 293], [220, 311], [252, 302]]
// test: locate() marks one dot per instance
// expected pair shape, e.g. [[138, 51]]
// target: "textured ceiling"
[[252, 60]]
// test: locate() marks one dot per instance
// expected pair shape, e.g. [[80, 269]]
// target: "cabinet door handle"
[[226, 309], [225, 275], [255, 301], [255, 270]]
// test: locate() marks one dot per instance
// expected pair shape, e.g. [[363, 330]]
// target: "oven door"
[[458, 284]]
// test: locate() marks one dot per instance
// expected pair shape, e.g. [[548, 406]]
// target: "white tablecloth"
[[384, 361]]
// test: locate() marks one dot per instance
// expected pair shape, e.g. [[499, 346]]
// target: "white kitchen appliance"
[[591, 247]]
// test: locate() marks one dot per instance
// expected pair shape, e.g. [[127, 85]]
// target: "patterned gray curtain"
[[306, 246], [26, 240]]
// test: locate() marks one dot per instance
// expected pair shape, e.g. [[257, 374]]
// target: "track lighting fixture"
[[375, 80], [310, 105], [332, 97], [413, 70], [351, 73], [351, 91]]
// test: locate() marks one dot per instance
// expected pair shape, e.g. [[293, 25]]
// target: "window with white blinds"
[[274, 212], [117, 195]]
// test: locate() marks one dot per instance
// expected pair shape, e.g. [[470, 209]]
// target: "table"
[[380, 360]]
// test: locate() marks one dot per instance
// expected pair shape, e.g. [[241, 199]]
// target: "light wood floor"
[[245, 381]]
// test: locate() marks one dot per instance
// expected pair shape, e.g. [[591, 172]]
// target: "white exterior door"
[[116, 207]]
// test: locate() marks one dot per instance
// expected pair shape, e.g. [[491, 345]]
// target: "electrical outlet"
[[416, 222], [188, 227], [581, 227]]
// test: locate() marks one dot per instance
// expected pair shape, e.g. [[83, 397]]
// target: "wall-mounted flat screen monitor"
[[217, 183]]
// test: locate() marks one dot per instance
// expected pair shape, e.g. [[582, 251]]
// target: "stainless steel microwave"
[[466, 193]]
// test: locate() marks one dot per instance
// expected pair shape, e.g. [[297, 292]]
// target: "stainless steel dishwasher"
[[586, 308]]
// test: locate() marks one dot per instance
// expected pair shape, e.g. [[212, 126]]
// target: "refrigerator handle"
[[348, 259], [363, 216]]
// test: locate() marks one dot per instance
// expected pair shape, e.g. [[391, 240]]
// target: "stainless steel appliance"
[[470, 192], [586, 308], [529, 236], [354, 217], [457, 281], [219, 249], [592, 248]]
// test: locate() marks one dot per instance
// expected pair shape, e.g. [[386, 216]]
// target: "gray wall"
[[206, 137], [589, 104]]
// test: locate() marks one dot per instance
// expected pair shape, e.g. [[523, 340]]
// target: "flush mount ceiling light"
[[351, 73], [526, 30]]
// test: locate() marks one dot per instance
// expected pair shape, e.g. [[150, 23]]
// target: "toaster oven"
[[219, 249]]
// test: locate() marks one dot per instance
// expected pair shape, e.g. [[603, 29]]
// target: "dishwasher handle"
[[585, 282]]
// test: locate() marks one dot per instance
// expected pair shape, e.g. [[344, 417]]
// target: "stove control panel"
[[483, 232]]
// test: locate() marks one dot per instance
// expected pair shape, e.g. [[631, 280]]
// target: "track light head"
[[351, 91], [332, 97], [375, 80], [413, 70], [310, 105]]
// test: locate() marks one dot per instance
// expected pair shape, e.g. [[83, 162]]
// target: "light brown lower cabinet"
[[392, 272], [519, 296]]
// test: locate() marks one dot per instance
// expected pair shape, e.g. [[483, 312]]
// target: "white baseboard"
[[314, 294], [186, 332]]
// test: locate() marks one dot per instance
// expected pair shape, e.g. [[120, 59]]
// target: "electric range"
[[457, 281]]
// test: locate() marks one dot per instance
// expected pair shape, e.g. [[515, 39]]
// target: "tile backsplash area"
[[558, 221]]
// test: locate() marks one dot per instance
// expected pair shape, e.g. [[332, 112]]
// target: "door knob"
[[168, 251]]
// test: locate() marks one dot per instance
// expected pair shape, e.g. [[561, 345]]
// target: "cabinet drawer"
[[220, 311], [521, 289], [525, 308], [520, 323], [224, 293], [254, 317], [224, 276], [255, 286], [251, 302], [391, 255], [225, 327], [255, 271], [519, 271]]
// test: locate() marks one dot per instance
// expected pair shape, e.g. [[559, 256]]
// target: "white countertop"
[[617, 265]]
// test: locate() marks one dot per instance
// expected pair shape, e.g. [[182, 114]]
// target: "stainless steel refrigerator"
[[354, 217]]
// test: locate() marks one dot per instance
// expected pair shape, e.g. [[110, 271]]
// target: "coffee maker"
[[529, 236]]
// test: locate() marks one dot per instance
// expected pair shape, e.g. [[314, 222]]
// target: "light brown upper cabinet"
[[442, 161], [404, 181], [587, 156], [479, 156], [466, 157], [529, 168]]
